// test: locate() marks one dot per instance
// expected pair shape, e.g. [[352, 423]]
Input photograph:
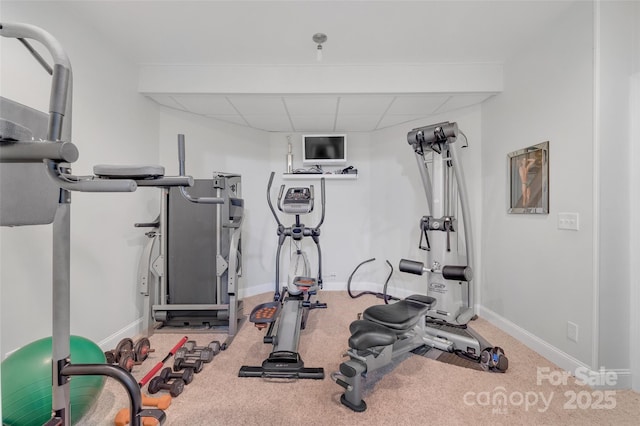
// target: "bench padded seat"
[[366, 334], [402, 315]]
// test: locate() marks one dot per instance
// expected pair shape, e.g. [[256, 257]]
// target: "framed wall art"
[[529, 180]]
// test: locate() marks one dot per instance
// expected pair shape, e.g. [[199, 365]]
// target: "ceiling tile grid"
[[318, 113]]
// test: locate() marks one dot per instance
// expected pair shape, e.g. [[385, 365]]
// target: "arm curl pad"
[[457, 273], [411, 266]]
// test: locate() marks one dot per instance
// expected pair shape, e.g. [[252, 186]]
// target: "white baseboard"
[[600, 379], [255, 290], [133, 329], [365, 286]]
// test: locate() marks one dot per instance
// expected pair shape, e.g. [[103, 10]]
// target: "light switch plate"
[[570, 221]]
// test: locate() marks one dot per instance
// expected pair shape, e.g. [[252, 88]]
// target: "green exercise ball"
[[26, 382]]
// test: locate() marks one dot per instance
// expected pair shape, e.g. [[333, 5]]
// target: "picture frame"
[[529, 180]]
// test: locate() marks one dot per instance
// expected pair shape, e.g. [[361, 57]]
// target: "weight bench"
[[385, 333]]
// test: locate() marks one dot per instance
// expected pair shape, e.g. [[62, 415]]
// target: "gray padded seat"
[[366, 334], [128, 172], [402, 315]]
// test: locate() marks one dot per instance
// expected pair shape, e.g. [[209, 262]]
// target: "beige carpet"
[[415, 391]]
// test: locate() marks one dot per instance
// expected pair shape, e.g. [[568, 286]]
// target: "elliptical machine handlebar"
[[280, 198], [275, 215], [322, 202]]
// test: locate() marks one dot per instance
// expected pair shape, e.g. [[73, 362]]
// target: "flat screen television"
[[324, 150]]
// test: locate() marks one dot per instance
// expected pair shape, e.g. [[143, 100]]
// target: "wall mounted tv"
[[324, 150]]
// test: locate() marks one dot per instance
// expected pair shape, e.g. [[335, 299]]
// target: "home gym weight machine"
[[440, 319], [36, 185], [189, 269], [287, 314]]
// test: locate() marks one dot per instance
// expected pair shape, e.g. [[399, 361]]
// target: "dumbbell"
[[175, 387], [186, 375], [123, 346], [181, 363], [122, 355], [214, 346], [127, 354], [203, 353]]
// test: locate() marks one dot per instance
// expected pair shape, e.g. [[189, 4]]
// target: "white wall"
[[634, 196], [111, 123], [536, 276], [616, 61]]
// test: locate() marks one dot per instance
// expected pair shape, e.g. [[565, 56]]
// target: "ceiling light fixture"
[[319, 38]]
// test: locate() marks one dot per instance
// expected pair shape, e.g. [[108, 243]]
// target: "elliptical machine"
[[440, 319], [287, 314]]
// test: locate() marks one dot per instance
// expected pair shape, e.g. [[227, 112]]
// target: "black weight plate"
[[126, 361], [124, 345], [141, 349]]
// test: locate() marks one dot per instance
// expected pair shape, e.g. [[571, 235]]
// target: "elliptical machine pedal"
[[264, 314]]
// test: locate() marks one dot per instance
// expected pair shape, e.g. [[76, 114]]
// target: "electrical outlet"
[[572, 331]]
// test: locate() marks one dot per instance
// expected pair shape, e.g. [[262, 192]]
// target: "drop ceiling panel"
[[166, 100], [235, 119], [392, 120], [357, 122], [308, 105], [313, 123], [461, 101], [258, 104], [366, 104], [205, 104], [417, 104], [357, 113], [269, 122]]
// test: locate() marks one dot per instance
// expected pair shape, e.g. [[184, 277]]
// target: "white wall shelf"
[[293, 176]]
